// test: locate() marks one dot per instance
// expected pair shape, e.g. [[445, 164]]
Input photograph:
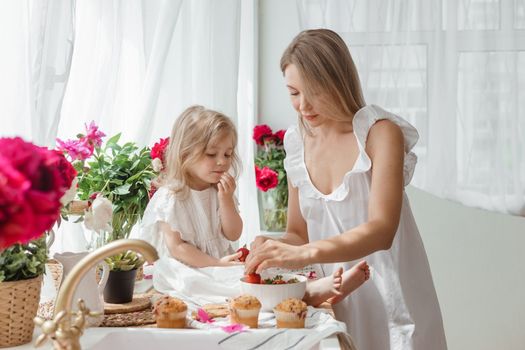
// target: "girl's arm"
[[191, 255], [385, 148], [230, 219]]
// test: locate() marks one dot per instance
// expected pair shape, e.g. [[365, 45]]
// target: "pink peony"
[[261, 132], [76, 149], [266, 178], [93, 135], [31, 185]]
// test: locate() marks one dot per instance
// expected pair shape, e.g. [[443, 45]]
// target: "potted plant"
[[270, 178], [123, 267], [33, 184], [115, 180]]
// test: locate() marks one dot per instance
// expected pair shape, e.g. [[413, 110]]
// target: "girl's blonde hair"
[[192, 132], [328, 72]]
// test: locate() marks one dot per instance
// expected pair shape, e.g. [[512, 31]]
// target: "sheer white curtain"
[[37, 42], [131, 66], [247, 107], [138, 64], [456, 70]]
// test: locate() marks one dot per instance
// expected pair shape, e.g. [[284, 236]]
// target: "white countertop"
[[93, 336]]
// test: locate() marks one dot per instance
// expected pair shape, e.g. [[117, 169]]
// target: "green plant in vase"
[[270, 178], [114, 179]]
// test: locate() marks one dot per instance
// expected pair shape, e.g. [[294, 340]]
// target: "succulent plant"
[[125, 261]]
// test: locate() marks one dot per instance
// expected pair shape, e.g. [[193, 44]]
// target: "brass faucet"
[[64, 331]]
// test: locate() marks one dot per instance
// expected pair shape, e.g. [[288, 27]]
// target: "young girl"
[[193, 215]]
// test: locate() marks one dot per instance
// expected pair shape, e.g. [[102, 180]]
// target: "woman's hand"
[[258, 241], [274, 253], [230, 260], [226, 186]]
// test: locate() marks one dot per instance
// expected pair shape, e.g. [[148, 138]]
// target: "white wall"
[[475, 255]]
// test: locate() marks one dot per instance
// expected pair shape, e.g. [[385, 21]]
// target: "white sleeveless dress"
[[398, 307]]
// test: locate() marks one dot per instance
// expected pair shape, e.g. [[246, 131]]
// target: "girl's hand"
[[230, 260], [226, 186], [274, 253]]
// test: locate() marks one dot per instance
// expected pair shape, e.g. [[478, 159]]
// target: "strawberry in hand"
[[244, 252]]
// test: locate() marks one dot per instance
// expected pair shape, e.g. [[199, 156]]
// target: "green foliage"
[[125, 261], [121, 173], [23, 261]]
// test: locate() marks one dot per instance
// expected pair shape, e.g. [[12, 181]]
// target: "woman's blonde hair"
[[328, 72], [192, 132]]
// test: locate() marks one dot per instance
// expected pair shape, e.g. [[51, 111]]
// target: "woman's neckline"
[[338, 187]]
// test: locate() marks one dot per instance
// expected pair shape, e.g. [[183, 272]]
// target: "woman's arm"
[[385, 149], [230, 219], [191, 255]]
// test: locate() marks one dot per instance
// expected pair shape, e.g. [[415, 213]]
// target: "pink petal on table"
[[232, 328], [204, 317]]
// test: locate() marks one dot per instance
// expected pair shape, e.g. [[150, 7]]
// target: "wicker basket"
[[18, 306]]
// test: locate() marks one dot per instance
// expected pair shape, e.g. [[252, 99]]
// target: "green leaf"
[[121, 190], [114, 139]]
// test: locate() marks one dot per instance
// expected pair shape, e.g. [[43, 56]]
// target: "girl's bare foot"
[[336, 287], [352, 279]]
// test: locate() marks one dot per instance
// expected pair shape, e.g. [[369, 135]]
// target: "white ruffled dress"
[[196, 218], [398, 307]]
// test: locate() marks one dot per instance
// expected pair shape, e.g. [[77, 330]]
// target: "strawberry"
[[254, 278], [244, 252]]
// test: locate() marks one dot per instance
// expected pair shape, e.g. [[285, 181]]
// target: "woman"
[[347, 165]]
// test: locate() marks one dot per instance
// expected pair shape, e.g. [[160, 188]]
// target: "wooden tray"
[[139, 303], [136, 318]]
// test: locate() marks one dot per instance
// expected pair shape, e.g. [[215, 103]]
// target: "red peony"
[[159, 149], [261, 132], [279, 137], [31, 185], [266, 178], [66, 170]]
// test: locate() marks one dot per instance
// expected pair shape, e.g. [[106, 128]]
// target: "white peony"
[[98, 217], [70, 194], [157, 164]]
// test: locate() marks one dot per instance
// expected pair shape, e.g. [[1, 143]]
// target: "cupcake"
[[290, 313], [170, 312], [245, 310]]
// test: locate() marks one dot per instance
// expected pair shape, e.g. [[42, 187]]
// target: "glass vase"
[[272, 211]]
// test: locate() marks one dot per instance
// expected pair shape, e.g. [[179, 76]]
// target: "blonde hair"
[[328, 72], [192, 132]]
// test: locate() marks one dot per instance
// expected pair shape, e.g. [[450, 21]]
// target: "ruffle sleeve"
[[367, 116], [293, 163]]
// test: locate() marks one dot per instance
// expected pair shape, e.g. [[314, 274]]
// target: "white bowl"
[[272, 294]]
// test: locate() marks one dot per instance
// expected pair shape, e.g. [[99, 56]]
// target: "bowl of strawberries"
[[271, 288]]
